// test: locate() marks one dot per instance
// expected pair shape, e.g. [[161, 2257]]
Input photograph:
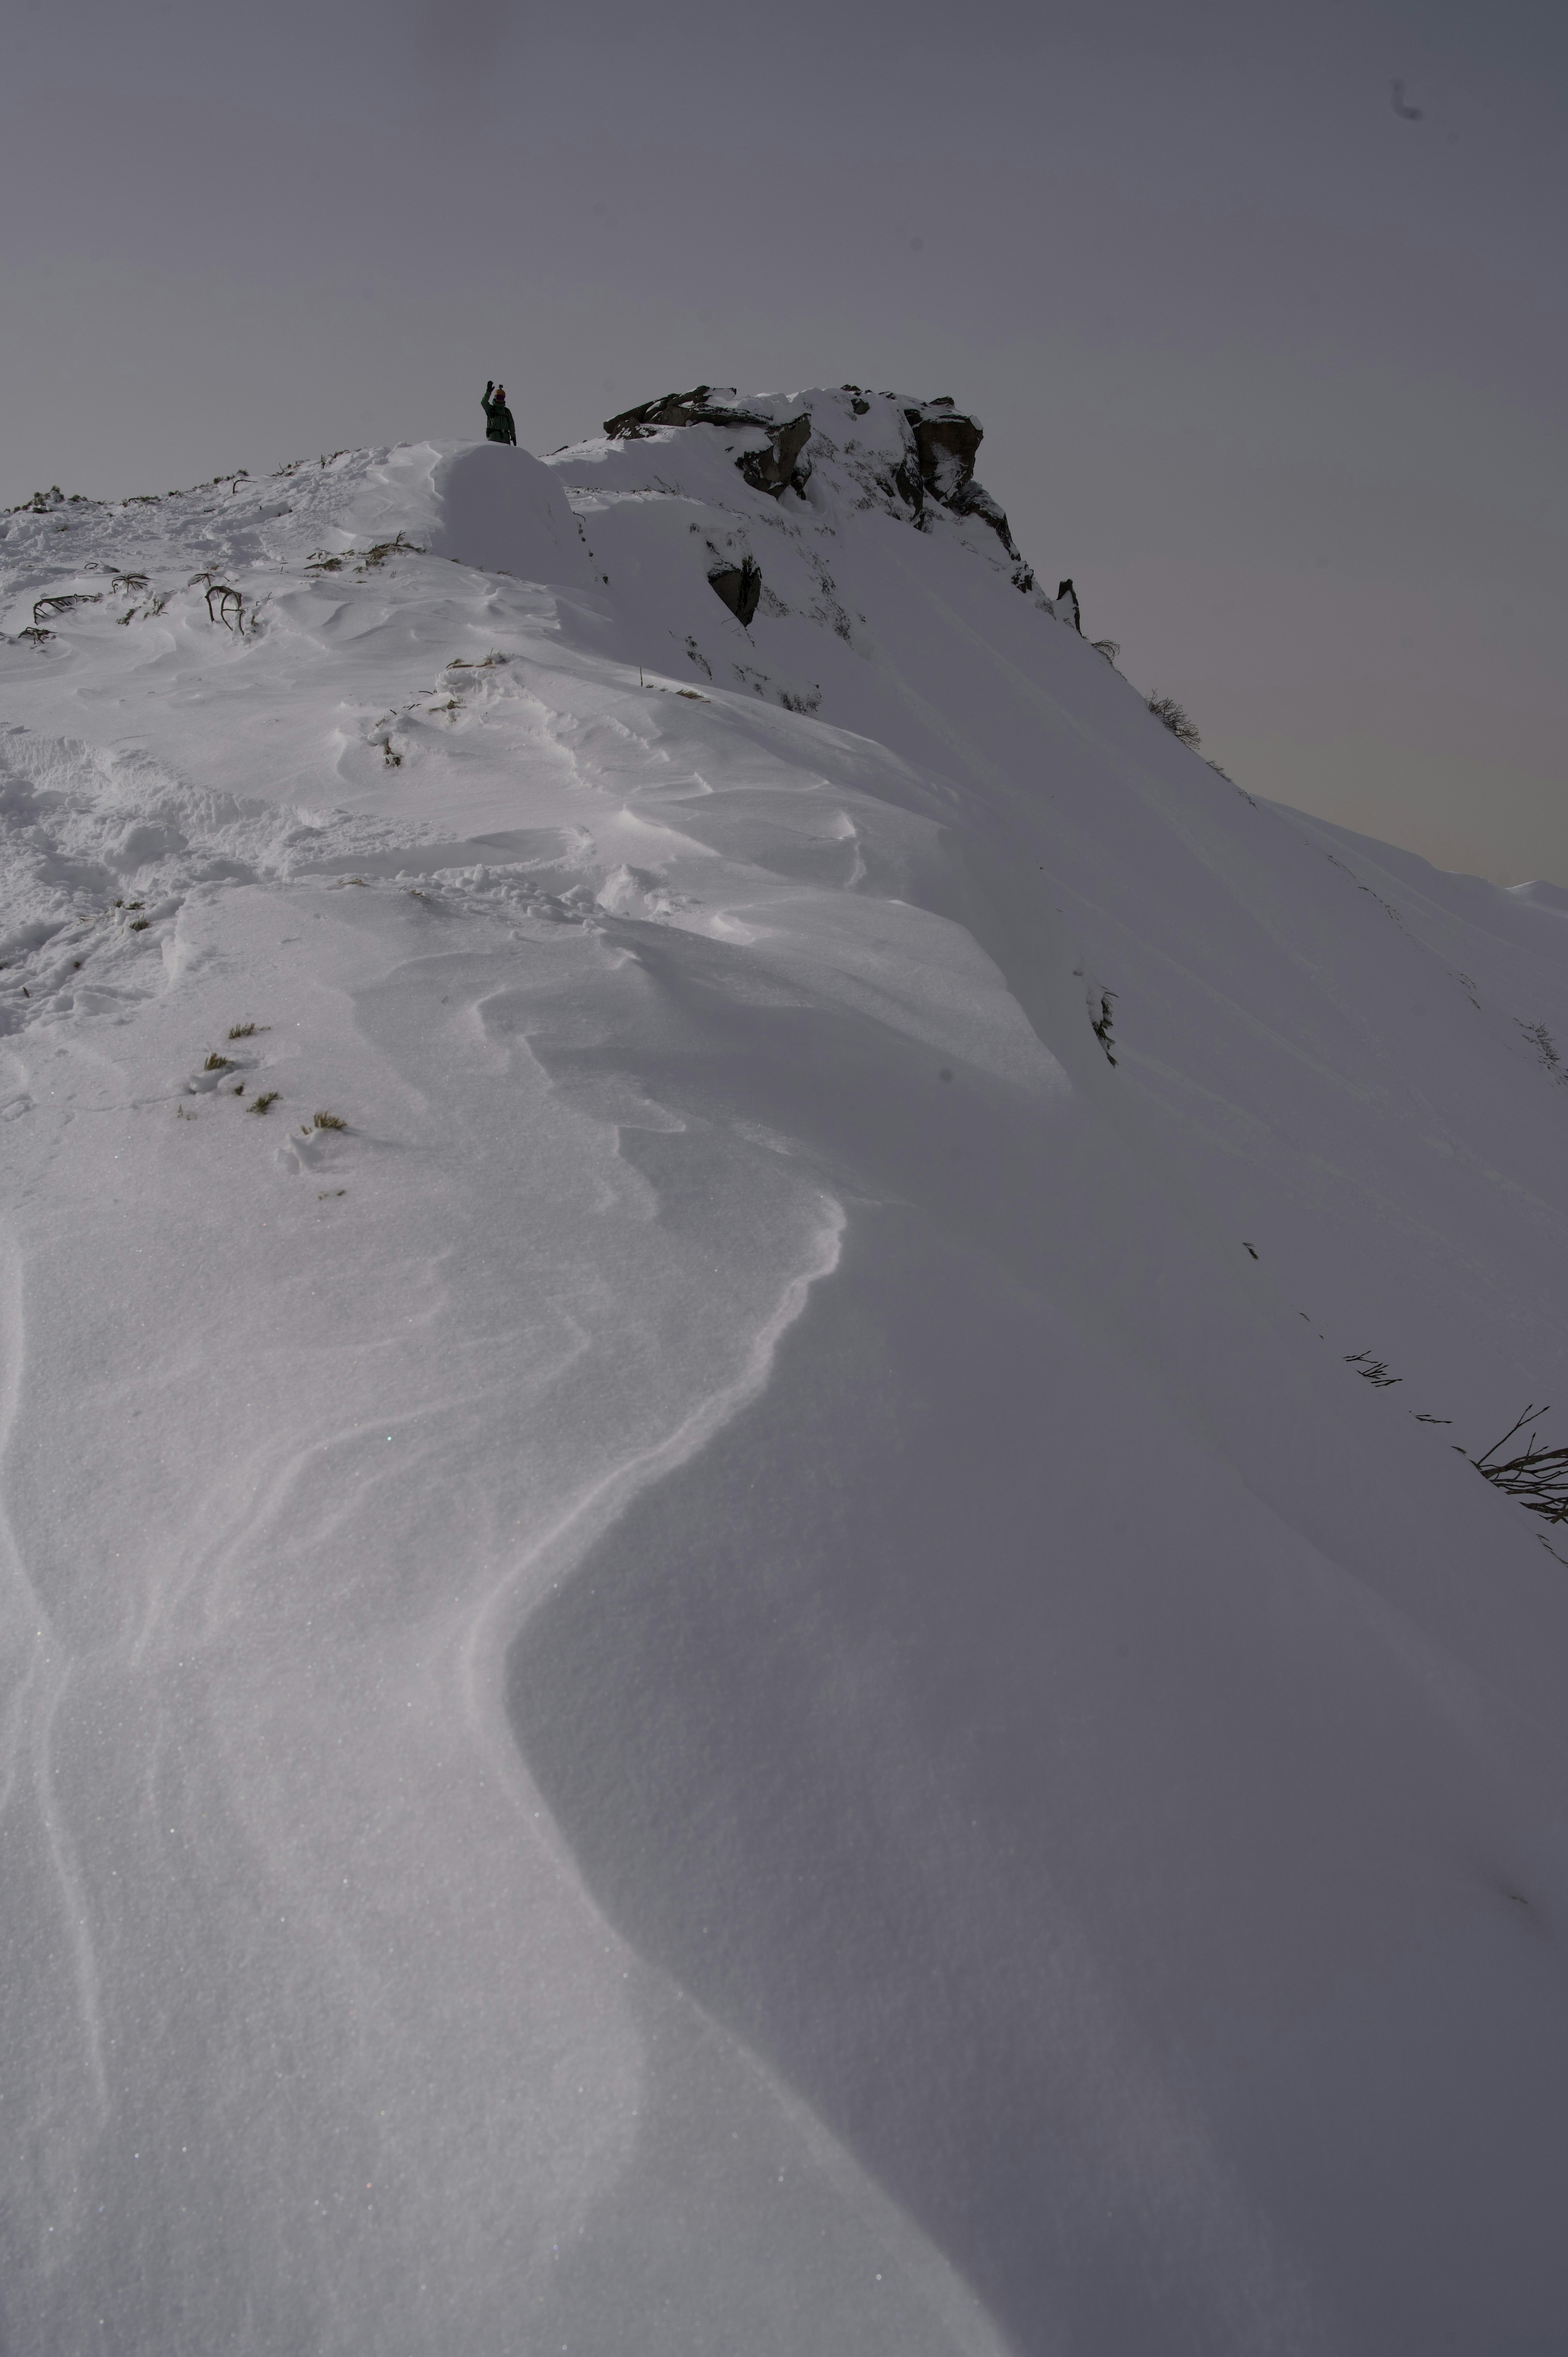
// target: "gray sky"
[[1274, 370]]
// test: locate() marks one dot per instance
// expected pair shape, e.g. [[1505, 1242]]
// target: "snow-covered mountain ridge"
[[747, 1669]]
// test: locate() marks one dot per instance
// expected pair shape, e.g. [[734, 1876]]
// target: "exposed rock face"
[[939, 464], [974, 500], [946, 442], [776, 468], [703, 405], [911, 457], [772, 470], [905, 478], [740, 587]]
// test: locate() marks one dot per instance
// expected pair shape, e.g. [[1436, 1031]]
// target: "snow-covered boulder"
[[498, 509]]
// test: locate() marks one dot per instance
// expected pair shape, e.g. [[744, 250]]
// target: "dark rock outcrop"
[[934, 465], [703, 405], [740, 587], [939, 443], [976, 500], [772, 470], [946, 443], [775, 468], [906, 475]]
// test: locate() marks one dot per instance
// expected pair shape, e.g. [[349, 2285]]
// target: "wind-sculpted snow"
[[496, 506], [708, 1643]]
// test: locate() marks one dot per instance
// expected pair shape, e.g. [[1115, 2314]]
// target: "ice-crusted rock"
[[703, 405], [906, 453], [756, 500], [780, 465], [773, 468], [946, 441], [740, 587], [976, 500]]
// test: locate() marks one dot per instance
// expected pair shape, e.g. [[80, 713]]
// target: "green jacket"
[[498, 426]]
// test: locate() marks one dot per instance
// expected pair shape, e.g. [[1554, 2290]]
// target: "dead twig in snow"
[[1538, 1477]]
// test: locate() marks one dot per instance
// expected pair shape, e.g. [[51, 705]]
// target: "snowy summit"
[[746, 1602]]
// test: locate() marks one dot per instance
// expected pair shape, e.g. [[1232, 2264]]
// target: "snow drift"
[[711, 1639]]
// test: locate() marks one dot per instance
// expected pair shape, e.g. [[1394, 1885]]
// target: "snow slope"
[[748, 1671]]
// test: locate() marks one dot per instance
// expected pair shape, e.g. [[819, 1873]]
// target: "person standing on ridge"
[[498, 427]]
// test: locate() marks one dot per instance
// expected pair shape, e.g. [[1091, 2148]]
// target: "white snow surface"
[[749, 1671]]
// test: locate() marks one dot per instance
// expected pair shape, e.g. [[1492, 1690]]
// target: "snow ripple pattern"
[[706, 1643]]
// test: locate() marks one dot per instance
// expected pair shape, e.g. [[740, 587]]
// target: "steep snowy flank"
[[744, 1605]]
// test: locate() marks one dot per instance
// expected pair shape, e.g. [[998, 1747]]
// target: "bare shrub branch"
[[1538, 1477]]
